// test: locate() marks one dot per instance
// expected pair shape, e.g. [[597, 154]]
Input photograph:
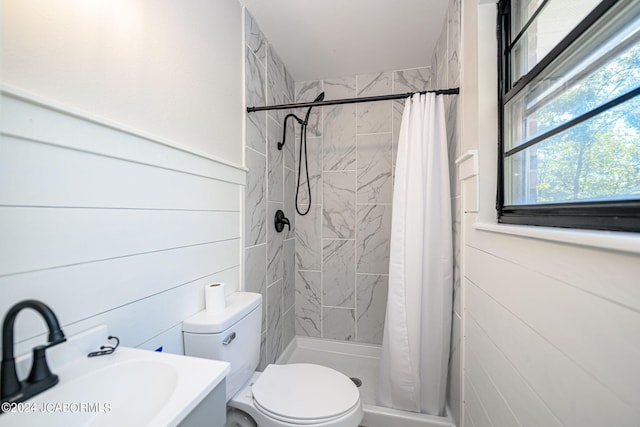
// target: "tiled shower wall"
[[446, 74], [342, 246], [269, 256]]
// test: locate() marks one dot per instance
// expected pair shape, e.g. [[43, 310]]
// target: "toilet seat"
[[304, 394]]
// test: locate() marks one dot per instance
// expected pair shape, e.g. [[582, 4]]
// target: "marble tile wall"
[[446, 74], [269, 256], [342, 245]]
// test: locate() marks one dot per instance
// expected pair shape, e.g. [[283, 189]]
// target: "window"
[[569, 86]]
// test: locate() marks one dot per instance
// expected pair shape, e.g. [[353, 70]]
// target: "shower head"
[[319, 97]]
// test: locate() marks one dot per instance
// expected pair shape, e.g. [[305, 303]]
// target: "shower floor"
[[361, 361]]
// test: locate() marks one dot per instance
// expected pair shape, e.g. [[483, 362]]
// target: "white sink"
[[130, 387]]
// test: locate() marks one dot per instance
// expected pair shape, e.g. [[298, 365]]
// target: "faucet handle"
[[39, 367]]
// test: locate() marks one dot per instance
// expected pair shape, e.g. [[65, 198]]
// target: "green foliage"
[[598, 158]]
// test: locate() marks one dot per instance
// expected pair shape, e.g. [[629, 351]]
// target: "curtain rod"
[[454, 91]]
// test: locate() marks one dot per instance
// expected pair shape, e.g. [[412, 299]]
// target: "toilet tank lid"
[[238, 305]]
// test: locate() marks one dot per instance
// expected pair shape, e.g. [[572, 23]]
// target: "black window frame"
[[623, 215]]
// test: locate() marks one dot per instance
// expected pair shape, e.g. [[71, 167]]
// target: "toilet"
[[299, 394]]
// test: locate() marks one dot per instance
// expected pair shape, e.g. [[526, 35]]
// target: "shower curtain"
[[415, 347]]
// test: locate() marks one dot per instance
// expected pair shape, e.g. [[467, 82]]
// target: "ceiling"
[[318, 39]]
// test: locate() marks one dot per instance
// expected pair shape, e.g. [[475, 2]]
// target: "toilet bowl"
[[283, 395]]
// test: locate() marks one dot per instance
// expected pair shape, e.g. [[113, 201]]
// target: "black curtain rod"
[[454, 91]]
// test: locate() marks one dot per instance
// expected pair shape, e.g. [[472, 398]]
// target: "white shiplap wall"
[[551, 317], [108, 226], [550, 333]]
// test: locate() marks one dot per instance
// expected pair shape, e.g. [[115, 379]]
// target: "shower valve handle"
[[280, 221]]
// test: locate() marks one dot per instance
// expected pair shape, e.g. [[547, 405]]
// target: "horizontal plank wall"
[[563, 321], [108, 226]]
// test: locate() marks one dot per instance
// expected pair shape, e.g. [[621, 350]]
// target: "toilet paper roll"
[[214, 297]]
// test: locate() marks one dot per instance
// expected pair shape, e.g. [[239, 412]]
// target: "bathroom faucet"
[[40, 378]]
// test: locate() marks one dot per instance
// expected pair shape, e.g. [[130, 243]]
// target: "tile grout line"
[[355, 231], [321, 217]]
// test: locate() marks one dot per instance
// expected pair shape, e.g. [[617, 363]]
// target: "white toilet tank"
[[232, 335]]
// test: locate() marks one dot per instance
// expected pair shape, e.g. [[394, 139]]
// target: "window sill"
[[607, 240]]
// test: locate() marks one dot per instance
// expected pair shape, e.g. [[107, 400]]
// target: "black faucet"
[[40, 378]]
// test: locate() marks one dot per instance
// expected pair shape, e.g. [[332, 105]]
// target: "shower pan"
[[362, 362]]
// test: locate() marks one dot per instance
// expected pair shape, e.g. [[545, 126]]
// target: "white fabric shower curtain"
[[415, 347]]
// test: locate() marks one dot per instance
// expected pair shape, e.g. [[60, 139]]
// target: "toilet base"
[[238, 418], [243, 400]]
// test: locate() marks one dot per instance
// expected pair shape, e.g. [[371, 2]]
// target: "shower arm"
[[301, 122]]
